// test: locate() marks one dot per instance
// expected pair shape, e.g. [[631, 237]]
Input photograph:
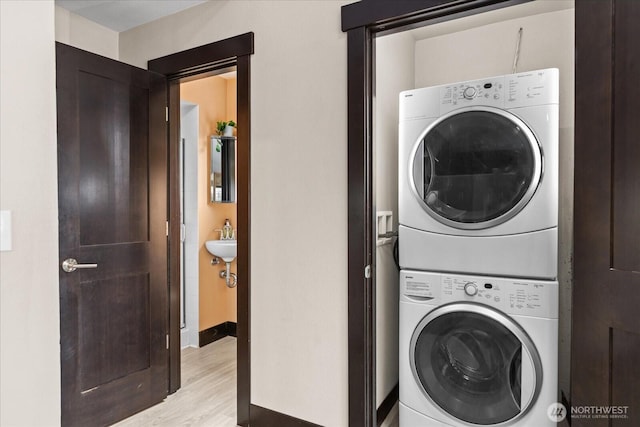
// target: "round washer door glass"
[[470, 365], [476, 167]]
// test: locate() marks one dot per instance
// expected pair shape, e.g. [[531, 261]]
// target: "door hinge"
[[166, 114], [367, 271], [167, 341], [166, 228]]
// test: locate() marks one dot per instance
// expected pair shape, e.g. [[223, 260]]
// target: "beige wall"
[[298, 193], [79, 32], [394, 73], [214, 95], [487, 50], [29, 322]]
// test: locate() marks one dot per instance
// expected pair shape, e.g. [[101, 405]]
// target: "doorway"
[[369, 32], [208, 309], [208, 300], [190, 65]]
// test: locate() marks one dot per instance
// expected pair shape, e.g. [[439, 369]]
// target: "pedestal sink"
[[225, 249]]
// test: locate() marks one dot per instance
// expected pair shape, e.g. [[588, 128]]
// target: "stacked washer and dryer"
[[478, 242]]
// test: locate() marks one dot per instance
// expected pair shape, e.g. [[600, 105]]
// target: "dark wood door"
[[112, 163], [606, 294]]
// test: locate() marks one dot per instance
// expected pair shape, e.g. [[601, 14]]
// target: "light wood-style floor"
[[392, 418], [207, 397]]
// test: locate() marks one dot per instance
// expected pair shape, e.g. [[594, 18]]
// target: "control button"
[[469, 92], [470, 289], [496, 96]]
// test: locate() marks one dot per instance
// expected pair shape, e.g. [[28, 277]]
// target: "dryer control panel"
[[526, 297], [488, 92], [509, 91], [539, 87]]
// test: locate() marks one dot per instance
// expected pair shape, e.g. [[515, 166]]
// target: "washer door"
[[475, 167], [475, 363]]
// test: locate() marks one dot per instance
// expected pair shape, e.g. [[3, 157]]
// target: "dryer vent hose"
[[396, 254]]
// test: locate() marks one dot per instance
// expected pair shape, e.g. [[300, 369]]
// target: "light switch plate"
[[5, 230]]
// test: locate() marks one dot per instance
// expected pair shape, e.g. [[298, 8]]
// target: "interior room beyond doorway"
[[209, 306]]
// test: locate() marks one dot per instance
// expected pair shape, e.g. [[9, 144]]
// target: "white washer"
[[478, 176], [477, 350]]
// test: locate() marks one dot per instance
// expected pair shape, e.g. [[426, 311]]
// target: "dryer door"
[[475, 167], [475, 363]]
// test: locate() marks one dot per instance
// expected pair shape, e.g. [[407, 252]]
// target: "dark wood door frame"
[[362, 22], [191, 64]]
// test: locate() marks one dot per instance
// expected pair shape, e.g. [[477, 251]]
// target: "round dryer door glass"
[[476, 167], [471, 366]]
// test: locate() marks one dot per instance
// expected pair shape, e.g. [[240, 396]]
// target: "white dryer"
[[477, 350], [478, 176]]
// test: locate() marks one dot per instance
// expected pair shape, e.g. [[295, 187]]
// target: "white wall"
[[394, 72], [82, 33], [30, 328], [298, 194], [488, 50], [189, 114]]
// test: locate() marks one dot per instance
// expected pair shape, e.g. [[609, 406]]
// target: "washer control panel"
[[527, 297]]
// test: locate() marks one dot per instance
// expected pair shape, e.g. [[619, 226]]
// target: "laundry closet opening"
[[464, 49]]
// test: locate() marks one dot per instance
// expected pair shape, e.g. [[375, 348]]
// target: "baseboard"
[[263, 417], [232, 329], [214, 333], [184, 338], [387, 404]]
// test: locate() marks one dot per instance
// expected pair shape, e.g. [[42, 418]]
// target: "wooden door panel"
[[113, 192], [625, 373], [606, 291], [626, 131], [112, 169], [113, 346]]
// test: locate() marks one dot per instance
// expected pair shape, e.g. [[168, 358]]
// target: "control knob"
[[469, 92], [470, 289]]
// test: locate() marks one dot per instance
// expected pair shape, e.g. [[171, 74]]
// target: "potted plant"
[[225, 128]]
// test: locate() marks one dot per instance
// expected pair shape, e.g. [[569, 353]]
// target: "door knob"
[[70, 265]]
